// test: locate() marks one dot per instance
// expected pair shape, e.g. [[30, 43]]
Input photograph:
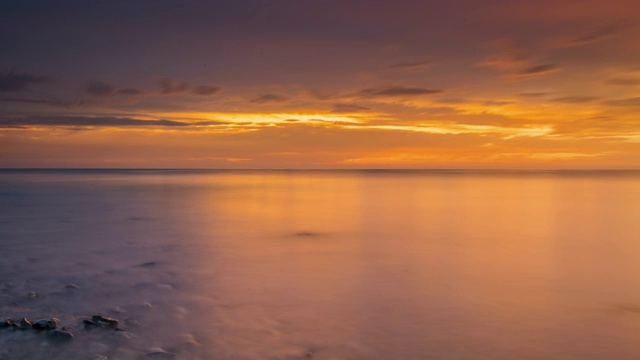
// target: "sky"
[[545, 84]]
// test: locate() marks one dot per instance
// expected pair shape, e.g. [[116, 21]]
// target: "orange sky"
[[320, 84]]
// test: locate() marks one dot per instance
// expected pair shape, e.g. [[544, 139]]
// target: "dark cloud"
[[575, 99], [394, 91], [47, 101], [14, 81], [85, 121], [206, 90], [269, 98], [537, 70], [98, 88], [595, 35], [534, 94], [623, 81], [129, 91], [25, 100], [319, 96], [343, 108], [410, 65], [169, 86], [634, 101]]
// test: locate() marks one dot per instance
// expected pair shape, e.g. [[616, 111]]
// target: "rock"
[[45, 324], [6, 323], [25, 324], [89, 323], [71, 287], [60, 334], [308, 355], [104, 321]]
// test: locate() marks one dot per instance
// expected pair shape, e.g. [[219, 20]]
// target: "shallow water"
[[323, 265]]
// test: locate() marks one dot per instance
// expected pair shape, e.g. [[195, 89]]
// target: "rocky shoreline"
[[50, 326]]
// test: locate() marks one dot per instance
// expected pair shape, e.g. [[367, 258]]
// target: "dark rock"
[[45, 324], [6, 323], [25, 324], [104, 321], [60, 334], [33, 295], [89, 323], [71, 287]]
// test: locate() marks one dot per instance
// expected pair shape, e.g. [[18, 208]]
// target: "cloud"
[[623, 81], [129, 91], [575, 99], [85, 121], [348, 108], [14, 81], [410, 65], [206, 90], [269, 98], [508, 54], [50, 101], [595, 36], [536, 70], [634, 101], [98, 88], [168, 86], [397, 91], [25, 100], [534, 94]]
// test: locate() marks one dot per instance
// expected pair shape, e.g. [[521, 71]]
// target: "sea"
[[320, 264]]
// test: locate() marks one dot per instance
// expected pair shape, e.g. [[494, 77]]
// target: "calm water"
[[326, 265]]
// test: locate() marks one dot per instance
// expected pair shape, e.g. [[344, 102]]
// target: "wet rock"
[[60, 334], [25, 324], [33, 295], [71, 287], [89, 323], [104, 321], [99, 357], [6, 323], [45, 324]]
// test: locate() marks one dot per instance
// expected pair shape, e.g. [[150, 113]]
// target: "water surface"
[[322, 264]]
